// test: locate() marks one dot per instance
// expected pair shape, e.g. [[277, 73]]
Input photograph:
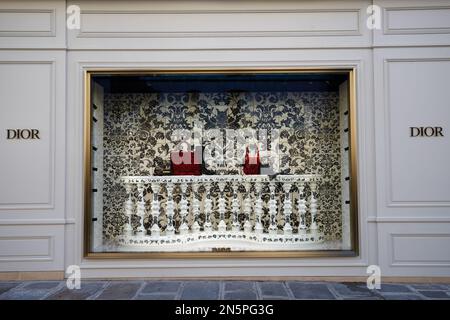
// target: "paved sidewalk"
[[219, 290]]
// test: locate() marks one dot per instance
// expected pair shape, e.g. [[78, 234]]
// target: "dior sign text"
[[22, 134], [426, 132]]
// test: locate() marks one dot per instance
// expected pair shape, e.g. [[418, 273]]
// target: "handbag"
[[190, 168], [252, 163]]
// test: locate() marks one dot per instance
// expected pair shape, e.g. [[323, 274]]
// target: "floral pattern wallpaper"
[[137, 136]]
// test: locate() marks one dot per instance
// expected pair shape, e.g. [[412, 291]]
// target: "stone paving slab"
[[273, 289], [364, 298], [201, 290], [161, 286], [429, 286], [435, 294], [238, 285], [36, 290], [240, 290], [353, 290], [5, 286], [160, 296], [274, 298], [305, 290], [241, 295], [86, 290], [223, 290], [402, 296], [43, 285], [122, 290], [388, 287]]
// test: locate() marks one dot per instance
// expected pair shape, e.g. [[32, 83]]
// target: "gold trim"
[[87, 164], [233, 254], [132, 72], [354, 230], [354, 252]]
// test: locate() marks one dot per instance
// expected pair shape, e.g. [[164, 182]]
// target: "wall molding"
[[52, 140], [199, 34], [408, 219], [31, 33], [33, 222], [408, 30], [395, 262], [49, 256], [387, 138]]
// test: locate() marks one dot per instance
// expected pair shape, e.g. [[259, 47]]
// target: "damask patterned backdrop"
[[138, 128]]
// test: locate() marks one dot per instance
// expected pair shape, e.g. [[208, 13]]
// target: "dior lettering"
[[426, 132], [22, 134]]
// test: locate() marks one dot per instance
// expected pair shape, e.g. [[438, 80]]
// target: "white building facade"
[[398, 50]]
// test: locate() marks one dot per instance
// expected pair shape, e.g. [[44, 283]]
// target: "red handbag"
[[252, 164], [194, 168]]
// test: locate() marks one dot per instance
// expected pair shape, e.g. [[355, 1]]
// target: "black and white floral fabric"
[[138, 128]]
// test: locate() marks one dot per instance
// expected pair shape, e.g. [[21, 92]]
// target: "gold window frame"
[[354, 225]]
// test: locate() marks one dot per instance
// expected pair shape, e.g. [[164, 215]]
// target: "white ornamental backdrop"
[[137, 137]]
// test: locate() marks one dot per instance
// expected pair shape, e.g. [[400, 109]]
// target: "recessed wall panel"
[[26, 164], [417, 95]]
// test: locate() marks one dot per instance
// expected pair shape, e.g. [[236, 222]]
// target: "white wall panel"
[[412, 23], [32, 94], [245, 23], [411, 89], [28, 248], [200, 24], [27, 166], [418, 88], [421, 249], [32, 24], [32, 195], [27, 23], [425, 20], [414, 249], [413, 190], [31, 248]]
